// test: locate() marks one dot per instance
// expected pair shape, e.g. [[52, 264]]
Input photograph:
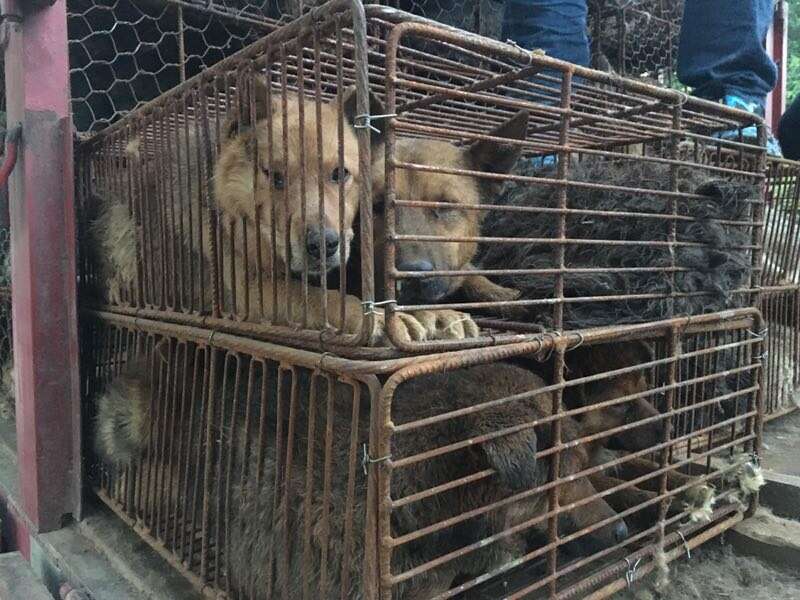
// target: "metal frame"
[[44, 292], [148, 500], [778, 48]]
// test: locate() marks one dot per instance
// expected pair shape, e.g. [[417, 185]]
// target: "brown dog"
[[260, 524], [276, 221], [454, 215], [272, 545], [619, 420]]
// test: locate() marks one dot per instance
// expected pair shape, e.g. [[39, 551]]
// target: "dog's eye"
[[443, 212], [340, 174], [276, 177]]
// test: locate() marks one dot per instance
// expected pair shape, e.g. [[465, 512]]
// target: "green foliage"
[[793, 66]]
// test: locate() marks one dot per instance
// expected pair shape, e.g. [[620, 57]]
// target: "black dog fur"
[[715, 270]]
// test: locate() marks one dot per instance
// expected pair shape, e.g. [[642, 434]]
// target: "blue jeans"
[[720, 53]]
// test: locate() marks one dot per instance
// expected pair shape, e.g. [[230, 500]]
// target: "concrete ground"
[[760, 560], [782, 445]]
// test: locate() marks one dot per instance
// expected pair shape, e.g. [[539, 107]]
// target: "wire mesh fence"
[[636, 38], [7, 392], [124, 53]]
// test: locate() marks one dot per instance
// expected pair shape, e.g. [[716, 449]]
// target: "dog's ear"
[[350, 111], [496, 157], [513, 458], [242, 118]]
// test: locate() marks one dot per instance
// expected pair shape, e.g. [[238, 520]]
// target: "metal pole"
[[43, 266], [778, 47]]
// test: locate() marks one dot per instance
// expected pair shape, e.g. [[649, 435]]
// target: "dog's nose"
[[620, 532], [419, 266], [314, 242], [424, 289]]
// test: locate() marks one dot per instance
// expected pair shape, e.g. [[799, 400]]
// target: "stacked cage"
[[375, 308], [781, 287]]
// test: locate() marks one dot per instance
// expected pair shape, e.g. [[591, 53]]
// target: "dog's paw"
[[410, 329], [446, 324]]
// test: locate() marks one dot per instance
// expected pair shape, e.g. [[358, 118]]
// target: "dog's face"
[[571, 491], [586, 516], [605, 358], [625, 414], [279, 169], [451, 216]]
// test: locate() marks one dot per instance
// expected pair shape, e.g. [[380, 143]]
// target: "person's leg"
[[556, 26], [721, 51], [721, 56]]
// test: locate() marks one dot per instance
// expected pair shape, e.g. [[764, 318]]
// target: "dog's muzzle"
[[420, 290]]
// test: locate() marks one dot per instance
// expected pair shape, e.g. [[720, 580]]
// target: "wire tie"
[[581, 339], [369, 306], [367, 460], [630, 574], [685, 545], [368, 119], [322, 360]]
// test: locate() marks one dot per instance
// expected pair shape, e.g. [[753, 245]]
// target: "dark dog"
[[270, 525], [710, 270]]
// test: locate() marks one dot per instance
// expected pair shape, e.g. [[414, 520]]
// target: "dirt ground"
[[715, 571]]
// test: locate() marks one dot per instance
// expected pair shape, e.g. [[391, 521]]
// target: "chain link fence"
[[6, 344], [636, 38], [124, 53]]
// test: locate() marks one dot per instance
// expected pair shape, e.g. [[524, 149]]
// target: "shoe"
[[750, 132], [543, 162]]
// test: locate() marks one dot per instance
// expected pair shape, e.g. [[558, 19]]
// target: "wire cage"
[[636, 38], [266, 472], [781, 286], [365, 246], [465, 124]]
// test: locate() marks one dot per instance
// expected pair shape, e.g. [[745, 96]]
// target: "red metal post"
[[43, 265], [777, 46]]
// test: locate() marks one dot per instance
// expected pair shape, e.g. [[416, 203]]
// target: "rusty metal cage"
[[281, 420], [582, 126], [779, 296], [270, 472], [638, 38]]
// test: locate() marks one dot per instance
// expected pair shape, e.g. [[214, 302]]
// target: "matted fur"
[[113, 241], [716, 269], [265, 527], [122, 422]]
